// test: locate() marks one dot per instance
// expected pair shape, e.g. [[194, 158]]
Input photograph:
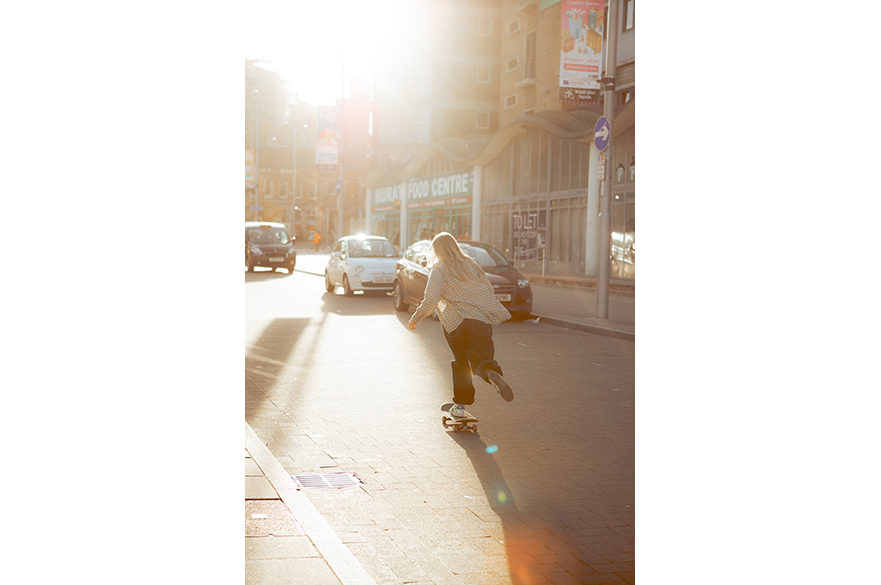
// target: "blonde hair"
[[446, 249]]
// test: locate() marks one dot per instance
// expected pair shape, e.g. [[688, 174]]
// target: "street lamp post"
[[342, 138], [294, 125], [605, 219], [257, 159]]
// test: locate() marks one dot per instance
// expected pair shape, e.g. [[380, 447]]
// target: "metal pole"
[[342, 137], [294, 169], [257, 162], [605, 220]]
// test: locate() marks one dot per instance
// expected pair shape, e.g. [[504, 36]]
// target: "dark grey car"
[[268, 244], [511, 288]]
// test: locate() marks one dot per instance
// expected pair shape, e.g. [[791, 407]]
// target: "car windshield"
[[371, 249], [484, 256], [268, 235]]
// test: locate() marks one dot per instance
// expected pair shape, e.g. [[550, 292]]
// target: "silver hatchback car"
[[365, 263]]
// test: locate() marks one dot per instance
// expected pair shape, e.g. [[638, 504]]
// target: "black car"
[[268, 244], [511, 288]]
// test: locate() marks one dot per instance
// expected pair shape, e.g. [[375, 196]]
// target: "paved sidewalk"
[[575, 308], [288, 541]]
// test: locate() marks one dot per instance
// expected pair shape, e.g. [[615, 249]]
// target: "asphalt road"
[[543, 493]]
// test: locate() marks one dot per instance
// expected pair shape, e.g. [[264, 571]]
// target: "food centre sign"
[[388, 198], [452, 189]]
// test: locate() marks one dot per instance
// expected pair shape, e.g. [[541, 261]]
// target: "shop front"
[[539, 195], [420, 208], [384, 212], [440, 204]]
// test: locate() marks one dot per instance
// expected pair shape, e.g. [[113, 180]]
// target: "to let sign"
[[529, 232]]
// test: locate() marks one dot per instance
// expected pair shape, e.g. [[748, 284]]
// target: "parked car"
[[511, 288], [365, 263], [268, 244]]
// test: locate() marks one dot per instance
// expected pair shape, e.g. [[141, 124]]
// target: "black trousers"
[[472, 345]]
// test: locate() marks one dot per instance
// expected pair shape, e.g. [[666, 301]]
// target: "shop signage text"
[[529, 234], [452, 189], [388, 198], [456, 185]]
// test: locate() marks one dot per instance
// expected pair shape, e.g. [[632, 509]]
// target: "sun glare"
[[309, 44]]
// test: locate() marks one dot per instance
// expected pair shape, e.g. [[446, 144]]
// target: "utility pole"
[[294, 127], [257, 161], [342, 137], [604, 246]]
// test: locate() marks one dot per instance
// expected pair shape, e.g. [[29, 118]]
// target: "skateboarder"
[[459, 290]]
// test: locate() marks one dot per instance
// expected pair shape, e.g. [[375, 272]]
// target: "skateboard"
[[458, 423]]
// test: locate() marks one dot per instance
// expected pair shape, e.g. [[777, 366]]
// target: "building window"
[[481, 120], [485, 27], [530, 56], [512, 64], [511, 101], [628, 14], [513, 26], [484, 74]]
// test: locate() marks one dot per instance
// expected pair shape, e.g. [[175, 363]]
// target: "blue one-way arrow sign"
[[602, 133]]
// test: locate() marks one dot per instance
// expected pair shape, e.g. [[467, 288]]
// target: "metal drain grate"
[[312, 481]]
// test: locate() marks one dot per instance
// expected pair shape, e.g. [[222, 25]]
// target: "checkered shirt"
[[456, 300]]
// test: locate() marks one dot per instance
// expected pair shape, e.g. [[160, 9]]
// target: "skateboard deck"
[[458, 423]]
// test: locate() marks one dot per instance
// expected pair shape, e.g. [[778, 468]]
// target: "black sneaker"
[[501, 386]]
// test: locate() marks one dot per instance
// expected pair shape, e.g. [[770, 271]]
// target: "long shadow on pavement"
[[523, 544], [562, 489], [267, 359], [562, 484]]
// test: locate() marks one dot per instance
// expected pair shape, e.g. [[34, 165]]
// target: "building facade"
[[288, 185], [529, 186]]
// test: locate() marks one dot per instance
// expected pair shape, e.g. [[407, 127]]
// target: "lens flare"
[[492, 449], [502, 497]]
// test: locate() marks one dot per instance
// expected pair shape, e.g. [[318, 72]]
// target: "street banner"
[[327, 149], [250, 170], [582, 23], [529, 234]]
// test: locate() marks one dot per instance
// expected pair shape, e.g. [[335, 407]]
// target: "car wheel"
[[398, 296], [348, 289], [328, 285]]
